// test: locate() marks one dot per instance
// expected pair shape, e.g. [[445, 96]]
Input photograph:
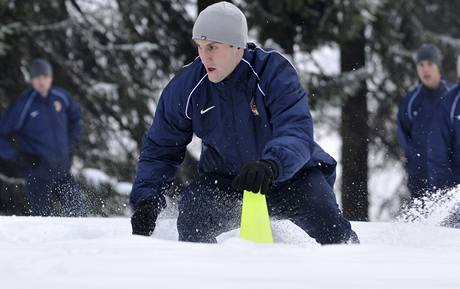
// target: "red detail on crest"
[[253, 106]]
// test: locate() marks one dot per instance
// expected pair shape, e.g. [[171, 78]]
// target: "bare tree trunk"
[[354, 132]]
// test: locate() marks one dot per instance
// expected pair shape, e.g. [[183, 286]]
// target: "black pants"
[[60, 187], [209, 207], [9, 169], [417, 185]]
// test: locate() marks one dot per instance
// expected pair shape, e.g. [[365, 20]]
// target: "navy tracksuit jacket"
[[260, 111], [444, 142], [444, 149], [415, 124]]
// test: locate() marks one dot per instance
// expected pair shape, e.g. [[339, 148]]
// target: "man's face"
[[219, 59], [429, 74], [42, 84]]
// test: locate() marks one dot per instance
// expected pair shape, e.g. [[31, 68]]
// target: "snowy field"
[[64, 253]]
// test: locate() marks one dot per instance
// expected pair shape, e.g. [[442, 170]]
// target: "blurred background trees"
[[115, 56]]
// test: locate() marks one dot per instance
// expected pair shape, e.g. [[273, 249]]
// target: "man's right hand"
[[145, 216]]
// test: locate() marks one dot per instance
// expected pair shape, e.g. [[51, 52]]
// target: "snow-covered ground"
[[66, 253]]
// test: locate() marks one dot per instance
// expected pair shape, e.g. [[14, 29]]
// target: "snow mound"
[[56, 253]]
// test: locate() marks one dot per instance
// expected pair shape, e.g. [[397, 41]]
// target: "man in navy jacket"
[[249, 109], [415, 117], [444, 149], [45, 125], [444, 143]]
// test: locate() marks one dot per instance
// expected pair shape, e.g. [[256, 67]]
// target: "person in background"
[[44, 124], [444, 148], [249, 109], [415, 117]]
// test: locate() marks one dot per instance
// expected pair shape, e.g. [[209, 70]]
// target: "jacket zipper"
[[235, 124], [52, 115]]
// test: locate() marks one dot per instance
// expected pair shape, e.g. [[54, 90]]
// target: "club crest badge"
[[57, 105], [253, 107]]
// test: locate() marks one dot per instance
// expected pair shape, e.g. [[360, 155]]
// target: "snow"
[[436, 208], [324, 60], [123, 188], [98, 178], [194, 147], [39, 252]]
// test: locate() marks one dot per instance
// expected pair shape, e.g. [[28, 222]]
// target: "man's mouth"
[[211, 69]]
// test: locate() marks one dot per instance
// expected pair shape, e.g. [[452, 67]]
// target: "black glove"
[[145, 216], [255, 176]]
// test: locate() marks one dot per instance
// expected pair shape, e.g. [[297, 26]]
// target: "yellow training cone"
[[255, 221]]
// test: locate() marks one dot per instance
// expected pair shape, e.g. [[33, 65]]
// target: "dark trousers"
[[209, 206], [453, 220], [9, 169], [42, 193], [417, 185]]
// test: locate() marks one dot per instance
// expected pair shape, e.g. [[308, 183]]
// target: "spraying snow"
[[439, 208]]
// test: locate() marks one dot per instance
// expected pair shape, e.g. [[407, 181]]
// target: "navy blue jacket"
[[415, 118], [260, 111], [46, 128], [444, 142]]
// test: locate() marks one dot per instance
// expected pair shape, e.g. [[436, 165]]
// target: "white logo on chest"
[[57, 105], [203, 111], [34, 113]]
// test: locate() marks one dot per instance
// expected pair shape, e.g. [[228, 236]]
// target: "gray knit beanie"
[[431, 53], [222, 22], [40, 66]]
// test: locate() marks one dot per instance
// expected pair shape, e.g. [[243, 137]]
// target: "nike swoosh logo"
[[34, 113], [203, 111]]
